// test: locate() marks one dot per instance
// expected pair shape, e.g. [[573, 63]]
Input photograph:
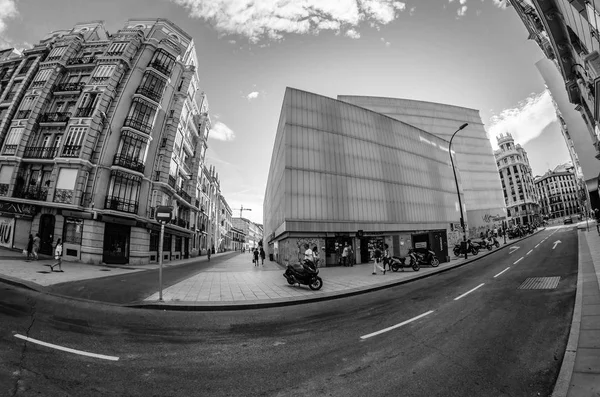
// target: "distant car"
[[568, 221]]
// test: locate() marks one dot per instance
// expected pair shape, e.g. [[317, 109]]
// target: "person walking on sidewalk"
[[58, 256], [30, 247], [262, 256], [345, 253], [208, 253], [386, 257], [255, 255], [36, 245], [377, 259]]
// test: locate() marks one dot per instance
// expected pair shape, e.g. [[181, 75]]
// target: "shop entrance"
[[334, 248], [116, 243], [368, 245], [46, 233]]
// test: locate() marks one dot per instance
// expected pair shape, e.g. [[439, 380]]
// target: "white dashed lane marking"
[[501, 272], [530, 251], [468, 292], [518, 260], [396, 326]]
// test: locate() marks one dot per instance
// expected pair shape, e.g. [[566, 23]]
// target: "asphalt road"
[[495, 341], [132, 287]]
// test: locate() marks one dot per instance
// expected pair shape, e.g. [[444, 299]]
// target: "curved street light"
[[462, 219]]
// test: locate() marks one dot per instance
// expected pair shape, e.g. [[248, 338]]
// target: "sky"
[[471, 53]]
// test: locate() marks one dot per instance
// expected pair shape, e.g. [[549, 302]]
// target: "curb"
[[561, 387], [264, 304]]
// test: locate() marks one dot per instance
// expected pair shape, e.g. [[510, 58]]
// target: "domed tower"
[[517, 181]]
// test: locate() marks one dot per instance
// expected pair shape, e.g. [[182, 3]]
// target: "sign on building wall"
[[7, 231]]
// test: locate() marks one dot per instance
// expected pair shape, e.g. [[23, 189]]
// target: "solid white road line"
[[396, 326], [530, 251], [66, 349], [518, 260], [468, 292], [501, 272]]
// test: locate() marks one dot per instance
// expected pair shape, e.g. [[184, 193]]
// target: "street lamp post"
[[462, 219]]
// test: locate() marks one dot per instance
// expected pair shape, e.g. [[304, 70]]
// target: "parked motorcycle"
[[471, 249], [398, 263], [424, 256], [303, 273], [488, 243]]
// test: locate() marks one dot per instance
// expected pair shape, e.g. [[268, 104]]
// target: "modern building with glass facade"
[[520, 194], [342, 173], [96, 130]]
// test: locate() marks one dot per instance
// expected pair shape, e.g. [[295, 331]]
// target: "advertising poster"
[[7, 231]]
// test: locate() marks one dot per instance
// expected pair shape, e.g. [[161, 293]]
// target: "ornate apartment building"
[[96, 130], [252, 233], [517, 182], [558, 192]]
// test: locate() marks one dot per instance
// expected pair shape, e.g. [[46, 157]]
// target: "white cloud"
[[526, 121], [500, 3], [353, 34], [8, 10], [478, 12], [231, 41], [221, 132], [252, 95], [412, 10], [271, 19], [462, 11], [462, 2], [387, 44]]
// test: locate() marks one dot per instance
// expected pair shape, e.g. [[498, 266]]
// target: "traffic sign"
[[164, 213]]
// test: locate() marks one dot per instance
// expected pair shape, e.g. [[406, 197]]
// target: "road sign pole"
[[160, 260]]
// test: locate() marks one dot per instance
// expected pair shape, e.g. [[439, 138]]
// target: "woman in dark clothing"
[[255, 256], [30, 246], [262, 255]]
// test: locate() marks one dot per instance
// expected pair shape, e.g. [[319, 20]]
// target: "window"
[[27, 103], [123, 193], [141, 116], [75, 136], [104, 71], [173, 168], [116, 48], [178, 142], [42, 75], [154, 239], [56, 53], [163, 62], [132, 146], [152, 86], [89, 100], [12, 141], [67, 178], [6, 172]]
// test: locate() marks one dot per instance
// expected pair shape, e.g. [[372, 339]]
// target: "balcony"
[[23, 114], [161, 68], [71, 151], [148, 93], [32, 193], [68, 87], [40, 152], [138, 125], [23, 71], [56, 117], [99, 80], [184, 195], [84, 112], [82, 60], [10, 150], [119, 204], [130, 163], [172, 181]]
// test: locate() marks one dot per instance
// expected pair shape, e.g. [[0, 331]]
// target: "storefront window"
[[154, 239], [73, 231], [178, 243]]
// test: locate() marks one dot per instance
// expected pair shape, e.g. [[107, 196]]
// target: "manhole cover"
[[540, 283]]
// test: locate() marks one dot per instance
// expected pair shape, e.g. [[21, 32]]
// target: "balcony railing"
[[148, 93], [4, 189], [23, 114], [71, 151], [56, 117], [82, 60], [64, 196], [68, 87], [161, 68], [128, 162], [99, 80], [138, 125], [40, 152], [172, 181], [120, 204], [84, 112], [32, 193], [184, 195], [10, 149]]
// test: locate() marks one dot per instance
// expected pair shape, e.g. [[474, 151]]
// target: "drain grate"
[[540, 283]]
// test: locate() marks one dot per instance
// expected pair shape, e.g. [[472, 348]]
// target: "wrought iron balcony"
[[172, 181], [148, 93], [71, 151], [138, 125], [64, 87], [40, 152], [164, 69], [99, 80], [120, 204], [23, 114], [184, 195], [84, 112], [10, 149], [55, 117], [32, 193], [129, 162], [82, 60]]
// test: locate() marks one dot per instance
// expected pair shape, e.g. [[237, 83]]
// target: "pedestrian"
[[315, 251], [345, 253], [262, 256], [351, 258], [30, 247], [208, 253], [495, 232], [377, 259], [386, 257], [255, 256], [58, 251], [36, 245], [309, 254]]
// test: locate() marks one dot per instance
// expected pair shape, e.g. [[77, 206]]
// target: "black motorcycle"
[[471, 249], [487, 243], [303, 273], [396, 263], [424, 256]]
